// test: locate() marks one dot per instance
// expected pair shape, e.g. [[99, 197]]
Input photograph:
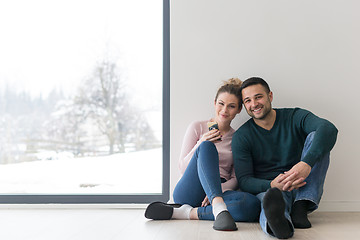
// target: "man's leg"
[[275, 213], [307, 198]]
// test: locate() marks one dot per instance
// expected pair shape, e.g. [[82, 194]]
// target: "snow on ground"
[[125, 173]]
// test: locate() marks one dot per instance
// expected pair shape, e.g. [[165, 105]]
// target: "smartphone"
[[213, 125]]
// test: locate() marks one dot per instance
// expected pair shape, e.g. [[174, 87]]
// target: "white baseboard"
[[325, 206], [339, 206], [73, 206]]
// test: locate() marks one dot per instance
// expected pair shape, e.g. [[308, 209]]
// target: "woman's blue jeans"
[[202, 178], [312, 191]]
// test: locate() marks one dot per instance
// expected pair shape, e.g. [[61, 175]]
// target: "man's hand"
[[302, 168], [285, 182], [294, 178]]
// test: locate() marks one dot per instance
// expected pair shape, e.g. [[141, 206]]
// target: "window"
[[84, 101]]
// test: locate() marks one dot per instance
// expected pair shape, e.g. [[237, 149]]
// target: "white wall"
[[308, 51]]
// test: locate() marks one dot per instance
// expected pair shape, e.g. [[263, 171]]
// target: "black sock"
[[274, 208], [299, 214]]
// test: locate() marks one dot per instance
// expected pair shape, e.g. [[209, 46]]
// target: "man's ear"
[[271, 96]]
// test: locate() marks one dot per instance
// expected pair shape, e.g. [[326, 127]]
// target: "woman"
[[206, 190]]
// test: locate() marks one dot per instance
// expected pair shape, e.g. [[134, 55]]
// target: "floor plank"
[[114, 224]]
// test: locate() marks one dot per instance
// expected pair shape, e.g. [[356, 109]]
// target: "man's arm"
[[243, 164], [323, 141], [324, 138]]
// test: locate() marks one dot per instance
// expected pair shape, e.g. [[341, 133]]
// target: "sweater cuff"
[[310, 159]]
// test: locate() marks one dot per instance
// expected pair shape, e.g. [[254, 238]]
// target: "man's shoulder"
[[246, 127], [291, 112]]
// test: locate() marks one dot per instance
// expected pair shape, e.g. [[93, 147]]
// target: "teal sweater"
[[260, 155]]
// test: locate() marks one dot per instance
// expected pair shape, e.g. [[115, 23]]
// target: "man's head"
[[253, 81], [257, 97]]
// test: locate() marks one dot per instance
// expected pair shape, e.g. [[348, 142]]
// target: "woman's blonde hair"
[[231, 86]]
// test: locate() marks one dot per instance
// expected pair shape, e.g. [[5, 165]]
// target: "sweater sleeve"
[[231, 184], [243, 164], [190, 143], [324, 138]]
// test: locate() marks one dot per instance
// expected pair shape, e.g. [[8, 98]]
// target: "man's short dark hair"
[[253, 81]]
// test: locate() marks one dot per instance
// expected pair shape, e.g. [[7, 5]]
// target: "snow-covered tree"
[[103, 99]]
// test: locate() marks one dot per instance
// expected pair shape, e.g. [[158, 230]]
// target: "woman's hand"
[[212, 136], [205, 202]]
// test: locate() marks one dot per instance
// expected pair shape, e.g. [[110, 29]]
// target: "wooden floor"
[[106, 224]]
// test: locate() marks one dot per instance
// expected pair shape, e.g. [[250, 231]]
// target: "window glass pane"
[[81, 97]]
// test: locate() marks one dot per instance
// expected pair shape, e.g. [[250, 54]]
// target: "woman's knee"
[[207, 152], [179, 196], [184, 197], [207, 145]]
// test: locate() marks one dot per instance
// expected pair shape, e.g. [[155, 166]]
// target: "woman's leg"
[[243, 207], [189, 190], [201, 177]]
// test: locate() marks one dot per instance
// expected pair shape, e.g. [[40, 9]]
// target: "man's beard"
[[263, 116]]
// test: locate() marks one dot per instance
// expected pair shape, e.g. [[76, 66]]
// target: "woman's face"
[[226, 107]]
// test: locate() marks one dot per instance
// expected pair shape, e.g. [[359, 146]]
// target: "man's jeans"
[[202, 178], [312, 191]]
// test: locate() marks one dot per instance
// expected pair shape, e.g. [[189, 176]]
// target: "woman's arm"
[[231, 184], [191, 141]]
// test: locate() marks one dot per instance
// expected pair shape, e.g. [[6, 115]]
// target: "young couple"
[[278, 159]]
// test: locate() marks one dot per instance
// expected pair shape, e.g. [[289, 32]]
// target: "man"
[[282, 156]]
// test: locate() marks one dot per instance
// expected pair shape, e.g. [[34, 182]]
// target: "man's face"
[[257, 101]]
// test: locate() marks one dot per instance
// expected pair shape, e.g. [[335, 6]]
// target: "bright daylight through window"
[[81, 98]]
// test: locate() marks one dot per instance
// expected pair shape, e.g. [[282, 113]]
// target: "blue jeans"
[[312, 191], [202, 178]]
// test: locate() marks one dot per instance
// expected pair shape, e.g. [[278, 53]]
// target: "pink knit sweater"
[[192, 140]]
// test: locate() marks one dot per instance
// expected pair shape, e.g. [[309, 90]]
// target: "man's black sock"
[[274, 208], [299, 214]]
